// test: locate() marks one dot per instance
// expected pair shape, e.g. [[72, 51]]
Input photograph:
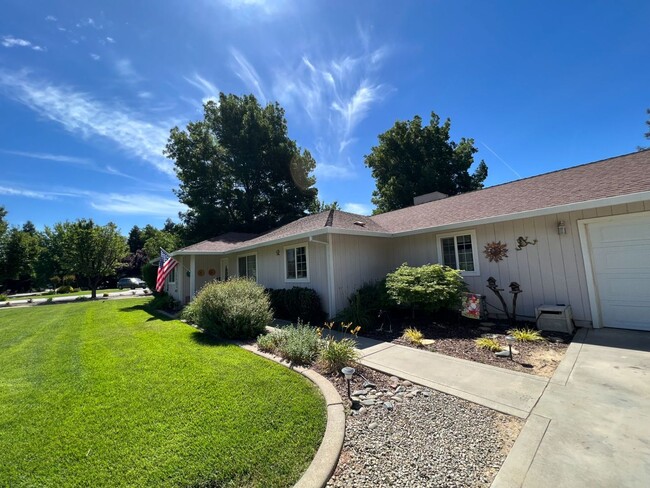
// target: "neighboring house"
[[590, 226]]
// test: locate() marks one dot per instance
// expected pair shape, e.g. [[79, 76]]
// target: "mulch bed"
[[455, 336]]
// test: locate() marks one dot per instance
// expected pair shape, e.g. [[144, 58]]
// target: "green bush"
[[431, 287], [64, 289], [163, 302], [149, 275], [365, 303], [271, 342], [234, 309], [335, 355], [300, 344], [297, 303], [3, 297]]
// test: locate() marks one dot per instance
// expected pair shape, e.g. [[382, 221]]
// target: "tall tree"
[[412, 160], [135, 240], [21, 250], [321, 206], [154, 239], [239, 170], [92, 251]]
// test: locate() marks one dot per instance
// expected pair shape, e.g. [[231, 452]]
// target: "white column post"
[[180, 278], [192, 276]]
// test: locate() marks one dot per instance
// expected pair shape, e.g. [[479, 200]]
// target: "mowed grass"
[[105, 394]]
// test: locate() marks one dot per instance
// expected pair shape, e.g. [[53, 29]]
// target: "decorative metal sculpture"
[[515, 289], [523, 242], [492, 285], [495, 251], [384, 317]]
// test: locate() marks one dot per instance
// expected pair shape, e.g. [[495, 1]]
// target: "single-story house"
[[579, 236]]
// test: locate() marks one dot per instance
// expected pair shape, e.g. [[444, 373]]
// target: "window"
[[248, 266], [172, 276], [458, 251], [295, 263]]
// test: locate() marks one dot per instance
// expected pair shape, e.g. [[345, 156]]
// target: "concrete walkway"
[[503, 390], [591, 427]]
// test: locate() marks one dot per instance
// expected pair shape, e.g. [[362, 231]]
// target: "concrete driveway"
[[591, 426]]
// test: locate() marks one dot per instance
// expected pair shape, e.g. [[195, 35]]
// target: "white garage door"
[[620, 261]]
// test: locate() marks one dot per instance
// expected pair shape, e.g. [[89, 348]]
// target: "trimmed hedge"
[[233, 309], [296, 304], [365, 303]]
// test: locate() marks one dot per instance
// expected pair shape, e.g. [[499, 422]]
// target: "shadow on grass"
[[206, 339], [155, 314]]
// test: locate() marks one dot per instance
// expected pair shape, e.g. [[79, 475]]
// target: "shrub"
[[297, 303], [431, 287], [3, 297], [413, 336], [64, 289], [49, 300], [163, 302], [526, 335], [365, 303], [489, 344], [149, 275], [272, 342], [51, 292], [334, 354], [300, 344], [105, 295], [234, 309]]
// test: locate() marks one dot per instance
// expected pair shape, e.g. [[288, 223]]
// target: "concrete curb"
[[324, 463]]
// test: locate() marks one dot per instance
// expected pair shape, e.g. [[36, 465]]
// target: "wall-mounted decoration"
[[200, 272], [212, 271], [523, 242], [495, 251]]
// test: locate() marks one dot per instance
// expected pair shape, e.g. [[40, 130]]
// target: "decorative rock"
[[373, 425], [427, 342], [362, 410], [400, 389], [372, 392], [357, 393], [389, 405], [369, 384], [367, 403], [407, 383], [502, 354], [394, 379], [426, 393], [397, 399]]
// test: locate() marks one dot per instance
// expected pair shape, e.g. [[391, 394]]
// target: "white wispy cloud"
[[336, 94], [51, 18], [82, 114], [62, 158], [136, 204], [246, 72], [125, 69], [357, 208], [11, 41], [19, 192], [96, 57], [110, 39], [257, 7], [209, 91]]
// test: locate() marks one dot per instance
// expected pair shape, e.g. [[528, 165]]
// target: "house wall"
[[550, 272], [270, 269], [358, 260]]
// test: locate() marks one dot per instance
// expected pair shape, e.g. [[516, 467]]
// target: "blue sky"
[[89, 90]]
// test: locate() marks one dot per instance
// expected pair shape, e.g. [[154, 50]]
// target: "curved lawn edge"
[[322, 467]]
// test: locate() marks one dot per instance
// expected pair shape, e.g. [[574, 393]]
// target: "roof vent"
[[360, 224], [429, 197]]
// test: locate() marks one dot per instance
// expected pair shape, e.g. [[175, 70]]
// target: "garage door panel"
[[630, 258], [619, 251]]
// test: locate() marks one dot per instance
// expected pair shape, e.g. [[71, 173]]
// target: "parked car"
[[132, 283]]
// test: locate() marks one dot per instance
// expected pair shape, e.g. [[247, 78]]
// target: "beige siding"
[[358, 260], [552, 271]]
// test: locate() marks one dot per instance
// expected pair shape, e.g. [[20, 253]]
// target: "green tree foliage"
[[431, 287], [92, 251], [412, 160], [154, 239], [22, 248], [320, 206], [239, 170], [135, 239]]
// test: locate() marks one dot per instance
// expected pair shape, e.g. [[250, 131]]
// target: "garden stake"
[[492, 285]]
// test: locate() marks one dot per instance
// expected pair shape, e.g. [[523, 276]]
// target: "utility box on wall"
[[555, 318]]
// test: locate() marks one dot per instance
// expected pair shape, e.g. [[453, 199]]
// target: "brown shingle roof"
[[611, 177]]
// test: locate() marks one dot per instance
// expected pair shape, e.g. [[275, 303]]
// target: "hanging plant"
[[495, 251]]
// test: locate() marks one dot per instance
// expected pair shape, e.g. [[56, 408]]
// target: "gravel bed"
[[425, 439]]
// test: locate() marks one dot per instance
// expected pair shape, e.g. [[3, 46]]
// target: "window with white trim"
[[459, 251], [247, 266], [295, 263]]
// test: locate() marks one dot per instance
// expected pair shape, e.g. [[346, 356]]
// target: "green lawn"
[[105, 394]]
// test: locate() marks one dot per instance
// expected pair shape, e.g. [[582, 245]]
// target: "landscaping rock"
[[369, 384], [357, 393], [373, 425], [389, 405], [367, 403], [407, 383]]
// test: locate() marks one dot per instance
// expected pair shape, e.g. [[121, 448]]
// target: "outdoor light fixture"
[[277, 252], [348, 372], [561, 228], [510, 340]]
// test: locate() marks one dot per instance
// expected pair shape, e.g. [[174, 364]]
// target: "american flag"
[[167, 263]]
